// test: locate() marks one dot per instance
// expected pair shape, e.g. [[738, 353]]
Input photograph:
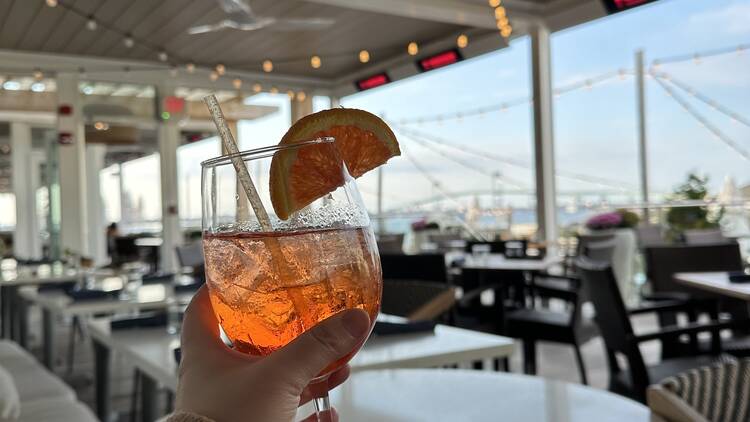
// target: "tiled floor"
[[554, 361]]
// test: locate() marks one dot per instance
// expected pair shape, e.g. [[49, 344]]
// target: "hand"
[[225, 385]]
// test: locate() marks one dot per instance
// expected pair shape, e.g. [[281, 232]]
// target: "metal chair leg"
[[529, 357], [581, 366], [135, 395]]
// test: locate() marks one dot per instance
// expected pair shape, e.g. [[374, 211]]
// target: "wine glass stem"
[[323, 408]]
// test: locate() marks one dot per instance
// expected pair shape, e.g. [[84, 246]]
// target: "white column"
[[97, 238], [73, 193], [544, 151], [642, 141], [302, 108], [26, 234], [169, 140]]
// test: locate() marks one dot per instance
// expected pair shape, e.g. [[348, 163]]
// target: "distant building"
[[745, 192]]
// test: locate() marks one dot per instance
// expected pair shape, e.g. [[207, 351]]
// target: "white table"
[[53, 303], [429, 395], [500, 262], [12, 277], [151, 350], [716, 282]]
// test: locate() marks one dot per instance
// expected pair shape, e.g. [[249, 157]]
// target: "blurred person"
[[219, 384]]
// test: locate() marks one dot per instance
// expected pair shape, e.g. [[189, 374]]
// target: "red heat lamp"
[[373, 81], [614, 6], [439, 60]]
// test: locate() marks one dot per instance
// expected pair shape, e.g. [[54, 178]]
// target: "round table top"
[[461, 395]]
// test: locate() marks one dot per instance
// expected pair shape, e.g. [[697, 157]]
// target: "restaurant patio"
[[526, 274]]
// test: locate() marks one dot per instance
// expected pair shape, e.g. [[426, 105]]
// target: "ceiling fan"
[[240, 16]]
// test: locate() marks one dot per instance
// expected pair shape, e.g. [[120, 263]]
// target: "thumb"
[[311, 352]]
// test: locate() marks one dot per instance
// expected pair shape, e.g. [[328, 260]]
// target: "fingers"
[[332, 416], [200, 330], [334, 380], [305, 357]]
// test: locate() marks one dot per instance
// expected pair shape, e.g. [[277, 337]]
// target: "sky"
[[595, 130]]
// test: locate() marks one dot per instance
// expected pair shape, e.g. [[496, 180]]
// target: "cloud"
[[732, 19]]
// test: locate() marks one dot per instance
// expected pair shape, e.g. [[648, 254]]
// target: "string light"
[[301, 96], [128, 41], [502, 22], [221, 69], [163, 56], [494, 3], [364, 56], [315, 62], [91, 24], [214, 75], [273, 90], [506, 31], [52, 3], [38, 75], [190, 67], [101, 126], [257, 88], [412, 48], [237, 83], [267, 66], [290, 94], [462, 41], [499, 12]]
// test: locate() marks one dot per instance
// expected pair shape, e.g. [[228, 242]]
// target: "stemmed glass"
[[268, 287]]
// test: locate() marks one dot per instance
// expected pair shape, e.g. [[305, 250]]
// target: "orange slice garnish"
[[299, 176]]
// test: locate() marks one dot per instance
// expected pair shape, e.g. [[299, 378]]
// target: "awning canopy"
[[94, 37]]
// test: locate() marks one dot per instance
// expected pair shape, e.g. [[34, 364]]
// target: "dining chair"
[[613, 320], [426, 267], [417, 300], [391, 243], [566, 326], [663, 262]]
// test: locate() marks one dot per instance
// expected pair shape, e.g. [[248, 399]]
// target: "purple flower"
[[604, 221]]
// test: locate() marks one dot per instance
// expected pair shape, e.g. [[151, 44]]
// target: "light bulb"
[[499, 12], [364, 56], [267, 66], [214, 75], [315, 62], [257, 88], [220, 69], [301, 96], [163, 56], [38, 75], [462, 41], [190, 67], [128, 41], [91, 24], [237, 83], [494, 3], [412, 48], [52, 3], [273, 90]]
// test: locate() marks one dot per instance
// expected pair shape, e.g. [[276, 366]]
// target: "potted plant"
[[620, 226], [681, 219]]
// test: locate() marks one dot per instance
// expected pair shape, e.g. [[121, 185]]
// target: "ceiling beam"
[[445, 11], [149, 73]]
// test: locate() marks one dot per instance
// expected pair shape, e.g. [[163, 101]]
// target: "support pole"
[[74, 210], [381, 223], [26, 243], [642, 141], [544, 152], [169, 140]]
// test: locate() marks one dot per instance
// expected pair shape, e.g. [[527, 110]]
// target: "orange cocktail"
[[263, 300]]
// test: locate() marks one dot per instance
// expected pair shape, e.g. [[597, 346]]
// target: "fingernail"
[[356, 322]]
